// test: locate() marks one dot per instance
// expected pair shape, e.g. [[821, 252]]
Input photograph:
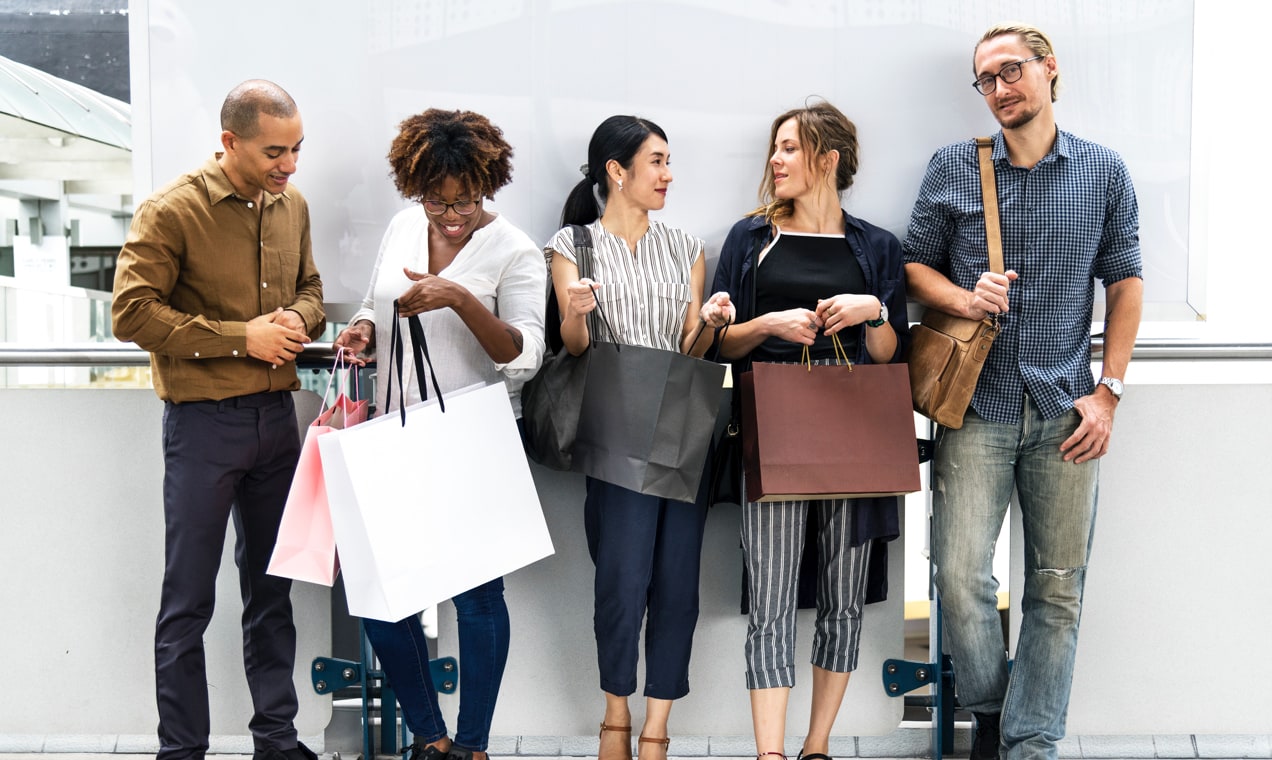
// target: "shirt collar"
[[1061, 148], [220, 187], [758, 222]]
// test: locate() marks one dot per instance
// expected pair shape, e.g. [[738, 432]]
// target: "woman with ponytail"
[[648, 278]]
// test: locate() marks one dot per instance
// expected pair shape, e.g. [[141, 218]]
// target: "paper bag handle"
[[419, 351]]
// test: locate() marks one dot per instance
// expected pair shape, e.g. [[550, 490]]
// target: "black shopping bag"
[[647, 419]]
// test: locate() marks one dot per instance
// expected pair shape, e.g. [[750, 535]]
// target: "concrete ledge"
[[1117, 747], [906, 742]]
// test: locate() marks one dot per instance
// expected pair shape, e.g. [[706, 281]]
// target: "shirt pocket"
[[674, 292]]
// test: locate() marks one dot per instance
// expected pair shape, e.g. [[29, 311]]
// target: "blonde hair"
[[822, 128], [1031, 36]]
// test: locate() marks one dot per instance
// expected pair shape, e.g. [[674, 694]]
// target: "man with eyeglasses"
[[1038, 422]]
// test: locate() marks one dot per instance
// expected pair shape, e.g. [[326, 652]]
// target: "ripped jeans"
[[974, 472]]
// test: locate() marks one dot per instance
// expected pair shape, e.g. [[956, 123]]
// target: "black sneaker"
[[417, 751], [299, 752], [985, 745]]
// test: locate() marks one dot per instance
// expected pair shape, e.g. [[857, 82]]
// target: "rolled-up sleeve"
[[521, 298]]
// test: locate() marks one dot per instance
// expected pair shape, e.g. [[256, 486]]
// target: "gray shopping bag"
[[647, 419]]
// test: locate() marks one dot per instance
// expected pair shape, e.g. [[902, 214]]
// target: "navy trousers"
[[647, 553], [222, 459]]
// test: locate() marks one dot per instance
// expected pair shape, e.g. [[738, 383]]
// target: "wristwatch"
[[1114, 385], [883, 316]]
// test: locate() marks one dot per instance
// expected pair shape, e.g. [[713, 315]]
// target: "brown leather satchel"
[[948, 352]]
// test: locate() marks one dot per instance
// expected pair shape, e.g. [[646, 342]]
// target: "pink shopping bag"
[[305, 549]]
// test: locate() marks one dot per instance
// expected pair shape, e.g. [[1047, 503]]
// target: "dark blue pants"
[[647, 553], [482, 615], [232, 458]]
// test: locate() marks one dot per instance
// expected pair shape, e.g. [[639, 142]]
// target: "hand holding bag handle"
[[419, 352], [948, 352], [551, 400]]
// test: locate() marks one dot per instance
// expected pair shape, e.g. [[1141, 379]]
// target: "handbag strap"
[[419, 352], [583, 252], [989, 195]]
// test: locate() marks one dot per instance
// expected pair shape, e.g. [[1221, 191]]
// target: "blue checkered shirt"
[[1071, 218]]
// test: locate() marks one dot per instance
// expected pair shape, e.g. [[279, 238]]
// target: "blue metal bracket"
[[330, 675], [902, 676]]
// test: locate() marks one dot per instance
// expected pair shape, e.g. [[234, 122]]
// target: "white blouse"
[[645, 295], [500, 265]]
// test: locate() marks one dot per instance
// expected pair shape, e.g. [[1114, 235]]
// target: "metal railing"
[[318, 355]]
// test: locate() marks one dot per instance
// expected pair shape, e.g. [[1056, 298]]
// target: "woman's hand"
[[794, 325], [581, 298], [718, 311], [429, 293], [355, 340], [847, 310]]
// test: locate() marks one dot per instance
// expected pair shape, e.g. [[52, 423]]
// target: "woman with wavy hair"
[[802, 273]]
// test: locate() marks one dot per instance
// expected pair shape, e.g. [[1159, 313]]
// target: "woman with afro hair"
[[479, 285]]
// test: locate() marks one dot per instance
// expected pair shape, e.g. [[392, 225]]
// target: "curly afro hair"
[[437, 144]]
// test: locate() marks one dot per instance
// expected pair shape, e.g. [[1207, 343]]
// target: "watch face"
[[1114, 385]]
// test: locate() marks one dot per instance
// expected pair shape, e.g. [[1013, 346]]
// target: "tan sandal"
[[618, 730], [665, 742]]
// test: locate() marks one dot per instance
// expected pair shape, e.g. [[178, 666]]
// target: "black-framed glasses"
[[463, 208], [1011, 73]]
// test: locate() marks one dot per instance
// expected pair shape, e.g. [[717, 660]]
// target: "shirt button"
[[235, 352], [251, 205], [196, 354], [264, 284]]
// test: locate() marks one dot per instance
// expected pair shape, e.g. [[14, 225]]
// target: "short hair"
[[822, 128], [240, 113], [1031, 36], [438, 144]]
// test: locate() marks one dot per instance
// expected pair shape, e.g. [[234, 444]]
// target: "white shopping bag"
[[425, 510]]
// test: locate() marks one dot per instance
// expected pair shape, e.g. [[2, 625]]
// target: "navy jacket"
[[879, 253]]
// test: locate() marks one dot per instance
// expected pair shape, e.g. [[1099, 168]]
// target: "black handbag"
[[552, 399]]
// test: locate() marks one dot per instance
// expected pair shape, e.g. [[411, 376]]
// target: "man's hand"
[[1091, 439], [990, 294], [271, 341], [292, 319]]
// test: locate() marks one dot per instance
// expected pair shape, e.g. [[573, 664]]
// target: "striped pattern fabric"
[[645, 295], [1069, 220], [773, 535]]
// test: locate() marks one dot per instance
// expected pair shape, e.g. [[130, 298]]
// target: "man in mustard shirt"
[[217, 281]]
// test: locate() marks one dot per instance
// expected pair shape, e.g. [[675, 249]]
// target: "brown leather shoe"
[[626, 754], [665, 742]]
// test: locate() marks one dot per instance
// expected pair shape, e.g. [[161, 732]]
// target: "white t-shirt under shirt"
[[500, 265], [645, 295]]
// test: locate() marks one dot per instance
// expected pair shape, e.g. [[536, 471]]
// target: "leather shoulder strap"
[[989, 195]]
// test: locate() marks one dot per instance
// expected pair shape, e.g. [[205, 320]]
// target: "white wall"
[[713, 73]]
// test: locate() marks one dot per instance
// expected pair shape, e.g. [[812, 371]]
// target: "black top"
[[797, 271]]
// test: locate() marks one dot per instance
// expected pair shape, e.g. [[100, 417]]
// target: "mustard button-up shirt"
[[198, 264]]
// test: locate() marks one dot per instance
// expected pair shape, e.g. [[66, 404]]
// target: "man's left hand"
[[292, 319], [1091, 439]]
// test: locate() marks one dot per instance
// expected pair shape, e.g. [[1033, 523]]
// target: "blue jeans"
[[974, 472], [483, 651]]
